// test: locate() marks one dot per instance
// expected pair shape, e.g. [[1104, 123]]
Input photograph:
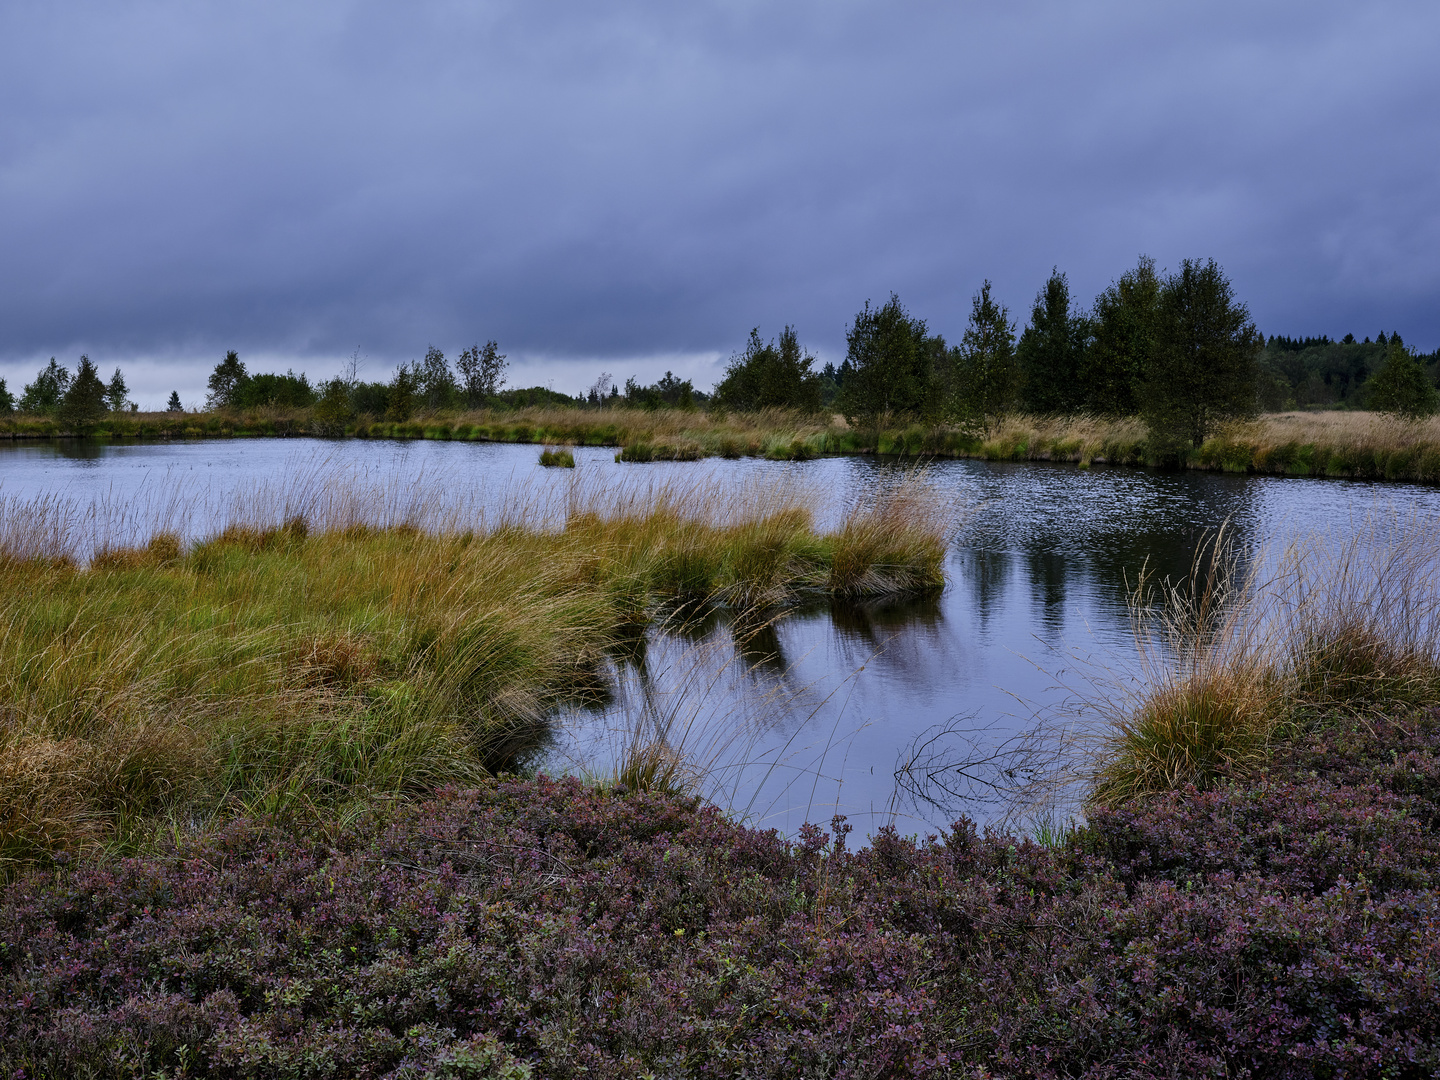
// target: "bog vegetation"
[[1166, 367], [1251, 892], [322, 651]]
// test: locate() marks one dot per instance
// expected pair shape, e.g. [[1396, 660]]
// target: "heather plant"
[[565, 930]]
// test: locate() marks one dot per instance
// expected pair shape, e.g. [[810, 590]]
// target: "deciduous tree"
[[482, 371]]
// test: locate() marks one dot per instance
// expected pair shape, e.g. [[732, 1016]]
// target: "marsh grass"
[[1358, 445], [332, 642], [552, 457], [1245, 652]]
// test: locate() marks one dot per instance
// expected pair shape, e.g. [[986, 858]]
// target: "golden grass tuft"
[[313, 657], [1245, 651]]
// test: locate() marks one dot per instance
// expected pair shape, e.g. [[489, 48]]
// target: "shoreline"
[[1328, 445]]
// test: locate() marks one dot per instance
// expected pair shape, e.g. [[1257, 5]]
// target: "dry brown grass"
[[1244, 651]]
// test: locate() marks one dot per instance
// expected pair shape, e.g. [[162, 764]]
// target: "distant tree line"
[[1178, 349]]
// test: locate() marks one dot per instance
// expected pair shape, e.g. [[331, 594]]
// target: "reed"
[[376, 645]]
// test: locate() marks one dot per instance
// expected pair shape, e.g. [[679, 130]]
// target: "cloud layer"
[[633, 186]]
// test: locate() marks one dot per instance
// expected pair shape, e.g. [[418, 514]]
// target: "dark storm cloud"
[[611, 182]]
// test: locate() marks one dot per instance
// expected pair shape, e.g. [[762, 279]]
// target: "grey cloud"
[[597, 185]]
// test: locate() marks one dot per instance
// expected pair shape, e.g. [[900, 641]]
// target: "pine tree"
[[1122, 327], [225, 382], [988, 374], [115, 392], [173, 405], [84, 402], [7, 399], [888, 366], [768, 376], [1049, 351], [1204, 363]]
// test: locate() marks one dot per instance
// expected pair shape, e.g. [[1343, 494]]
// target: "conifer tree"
[[888, 364], [988, 373], [173, 405], [1203, 366], [7, 399], [116, 391], [225, 382], [84, 401], [771, 376], [1122, 327], [1049, 351]]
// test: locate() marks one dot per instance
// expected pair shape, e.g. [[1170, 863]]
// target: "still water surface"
[[814, 713]]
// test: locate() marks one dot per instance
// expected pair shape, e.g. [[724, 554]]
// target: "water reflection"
[[816, 711]]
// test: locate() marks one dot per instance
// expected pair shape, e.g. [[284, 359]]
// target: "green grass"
[[557, 458], [297, 667]]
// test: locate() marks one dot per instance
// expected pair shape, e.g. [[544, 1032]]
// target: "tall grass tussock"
[[329, 645], [1247, 652]]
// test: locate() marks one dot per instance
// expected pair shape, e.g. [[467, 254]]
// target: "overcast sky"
[[632, 187]]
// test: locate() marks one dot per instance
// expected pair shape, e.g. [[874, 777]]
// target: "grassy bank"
[[1349, 445], [322, 663]]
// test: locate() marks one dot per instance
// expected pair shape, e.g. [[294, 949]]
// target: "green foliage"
[[333, 411], [559, 458], [1050, 351], [1318, 372], [115, 393], [481, 372], [84, 402], [889, 365], [1203, 367], [43, 396], [7, 399], [765, 376], [1401, 385], [288, 391], [988, 375], [434, 384], [173, 405], [677, 393], [225, 382], [400, 396], [1123, 326]]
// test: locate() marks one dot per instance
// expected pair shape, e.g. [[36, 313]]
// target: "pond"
[[813, 713]]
